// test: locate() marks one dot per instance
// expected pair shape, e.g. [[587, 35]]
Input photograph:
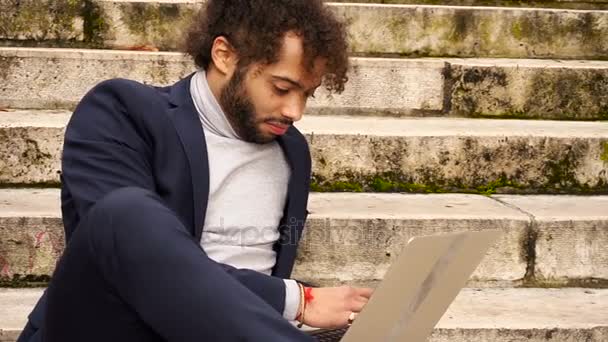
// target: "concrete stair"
[[374, 29], [502, 88], [553, 4], [424, 112], [548, 241], [351, 238], [477, 315], [383, 154]]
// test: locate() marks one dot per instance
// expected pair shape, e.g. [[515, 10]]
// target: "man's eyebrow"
[[292, 82], [288, 80]]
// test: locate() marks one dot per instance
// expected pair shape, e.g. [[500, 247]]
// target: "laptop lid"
[[419, 286]]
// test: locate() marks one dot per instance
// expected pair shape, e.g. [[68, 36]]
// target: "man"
[[183, 206]]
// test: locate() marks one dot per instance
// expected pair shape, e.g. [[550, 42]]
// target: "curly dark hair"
[[255, 28]]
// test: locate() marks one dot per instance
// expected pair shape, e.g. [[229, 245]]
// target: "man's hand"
[[332, 306]]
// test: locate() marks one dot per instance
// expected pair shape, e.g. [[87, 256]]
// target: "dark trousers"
[[131, 272]]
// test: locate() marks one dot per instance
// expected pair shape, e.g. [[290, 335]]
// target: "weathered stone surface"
[[381, 154], [404, 30], [58, 78], [518, 315], [15, 306], [31, 146], [571, 236], [572, 4], [31, 234], [353, 238], [388, 155], [36, 20], [412, 30], [433, 31], [534, 89], [477, 315], [350, 238], [387, 87], [152, 24]]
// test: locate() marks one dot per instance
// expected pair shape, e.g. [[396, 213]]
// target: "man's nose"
[[293, 110]]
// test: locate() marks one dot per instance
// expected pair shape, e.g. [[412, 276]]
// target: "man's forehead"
[[292, 67]]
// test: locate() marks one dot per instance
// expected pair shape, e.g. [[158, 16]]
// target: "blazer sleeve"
[[102, 150], [105, 149]]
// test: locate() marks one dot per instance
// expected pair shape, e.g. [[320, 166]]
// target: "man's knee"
[[125, 200], [123, 203], [125, 211]]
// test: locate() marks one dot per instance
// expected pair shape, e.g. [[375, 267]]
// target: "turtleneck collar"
[[209, 110]]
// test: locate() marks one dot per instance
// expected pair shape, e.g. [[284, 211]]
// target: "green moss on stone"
[[27, 281], [604, 155], [492, 187], [516, 30], [461, 25], [40, 20], [158, 24], [572, 94], [392, 183], [397, 27], [592, 283], [338, 186], [561, 171], [560, 179], [95, 24], [582, 4], [37, 185], [556, 94], [380, 184], [520, 115], [485, 32]]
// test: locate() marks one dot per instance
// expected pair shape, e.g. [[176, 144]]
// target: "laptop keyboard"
[[331, 335]]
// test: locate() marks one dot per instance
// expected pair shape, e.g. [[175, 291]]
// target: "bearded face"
[[240, 111], [263, 100]]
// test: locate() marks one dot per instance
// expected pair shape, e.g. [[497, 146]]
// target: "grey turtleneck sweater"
[[247, 194]]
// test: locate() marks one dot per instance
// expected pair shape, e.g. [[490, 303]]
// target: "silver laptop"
[[417, 288]]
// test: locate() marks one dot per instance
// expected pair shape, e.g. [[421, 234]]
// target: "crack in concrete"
[[528, 243]]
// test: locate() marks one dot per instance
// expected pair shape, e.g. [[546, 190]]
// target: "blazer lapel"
[[292, 223], [192, 136]]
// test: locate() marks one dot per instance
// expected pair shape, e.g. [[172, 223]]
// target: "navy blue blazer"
[[124, 133]]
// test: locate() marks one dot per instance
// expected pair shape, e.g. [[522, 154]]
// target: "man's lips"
[[277, 128]]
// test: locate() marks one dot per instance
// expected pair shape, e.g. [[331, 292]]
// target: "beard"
[[240, 111]]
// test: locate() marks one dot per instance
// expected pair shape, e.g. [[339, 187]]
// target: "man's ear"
[[224, 56]]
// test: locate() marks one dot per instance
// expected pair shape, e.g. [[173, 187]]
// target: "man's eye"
[[281, 91]]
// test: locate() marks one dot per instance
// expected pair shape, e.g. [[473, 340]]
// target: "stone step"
[[374, 29], [548, 241], [383, 154], [476, 315], [39, 78], [556, 4], [464, 155]]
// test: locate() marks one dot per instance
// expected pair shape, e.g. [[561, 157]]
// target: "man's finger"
[[362, 299], [358, 304], [365, 292]]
